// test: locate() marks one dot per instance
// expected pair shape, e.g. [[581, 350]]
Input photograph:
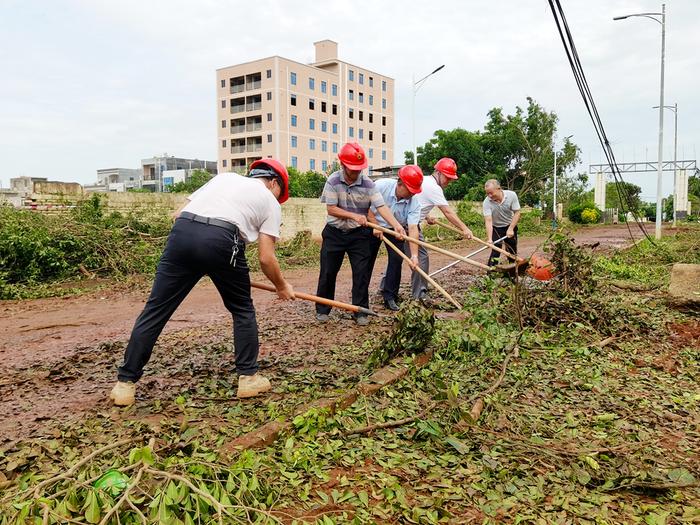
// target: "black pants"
[[336, 243], [193, 250], [392, 277], [511, 244]]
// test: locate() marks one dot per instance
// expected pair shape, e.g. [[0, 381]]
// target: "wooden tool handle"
[[425, 275], [485, 243], [317, 299], [429, 246]]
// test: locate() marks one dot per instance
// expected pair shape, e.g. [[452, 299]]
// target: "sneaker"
[[362, 320], [322, 318], [391, 305], [251, 386], [123, 393]]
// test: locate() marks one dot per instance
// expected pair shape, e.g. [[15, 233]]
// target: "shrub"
[[307, 184], [585, 213]]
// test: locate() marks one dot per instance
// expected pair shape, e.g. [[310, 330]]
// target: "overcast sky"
[[98, 84]]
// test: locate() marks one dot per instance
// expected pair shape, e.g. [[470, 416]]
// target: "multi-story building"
[[161, 172], [302, 114], [116, 179]]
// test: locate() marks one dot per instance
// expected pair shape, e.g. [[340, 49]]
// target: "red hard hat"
[[540, 268], [447, 167], [279, 168], [352, 156], [412, 177]]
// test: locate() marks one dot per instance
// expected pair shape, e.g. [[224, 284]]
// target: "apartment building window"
[[351, 113], [324, 165], [294, 121], [223, 143], [324, 126], [335, 147], [361, 78], [312, 123], [269, 117], [268, 73], [293, 100], [334, 90], [324, 86], [335, 128], [371, 118], [383, 103], [223, 163], [223, 103], [351, 75], [383, 85], [223, 85], [294, 141], [294, 162], [360, 114], [383, 138], [312, 164], [383, 121], [351, 131], [370, 153], [371, 100], [312, 104], [360, 133], [371, 135], [269, 95], [351, 94], [383, 154], [223, 123], [312, 144], [269, 137], [323, 107], [371, 81], [361, 98], [324, 146], [293, 79], [334, 109], [312, 83]]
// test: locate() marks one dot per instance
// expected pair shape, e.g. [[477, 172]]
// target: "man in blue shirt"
[[398, 196]]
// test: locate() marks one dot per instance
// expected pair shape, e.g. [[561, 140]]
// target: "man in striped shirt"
[[348, 195]]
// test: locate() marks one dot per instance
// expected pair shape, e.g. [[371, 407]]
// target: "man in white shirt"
[[501, 216], [432, 195], [209, 237]]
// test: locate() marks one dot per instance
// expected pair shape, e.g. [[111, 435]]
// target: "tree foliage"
[[516, 149], [308, 184], [196, 180]]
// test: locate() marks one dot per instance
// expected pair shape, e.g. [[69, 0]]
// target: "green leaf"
[[92, 511], [681, 476], [458, 445], [364, 498]]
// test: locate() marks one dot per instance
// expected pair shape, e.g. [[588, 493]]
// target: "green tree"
[[196, 180], [308, 184], [613, 199]]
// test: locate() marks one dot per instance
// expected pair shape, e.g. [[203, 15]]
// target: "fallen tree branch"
[[125, 496], [391, 424]]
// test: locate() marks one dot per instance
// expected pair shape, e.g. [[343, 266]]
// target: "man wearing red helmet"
[[433, 195], [209, 237], [348, 195], [399, 197]]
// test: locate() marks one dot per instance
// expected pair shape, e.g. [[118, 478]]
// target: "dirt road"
[[58, 356]]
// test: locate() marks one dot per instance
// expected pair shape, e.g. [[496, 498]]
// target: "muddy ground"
[[58, 356]]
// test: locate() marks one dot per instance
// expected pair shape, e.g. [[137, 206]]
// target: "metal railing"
[[254, 106], [240, 108], [254, 127], [237, 149], [253, 85], [237, 129], [254, 147], [237, 88]]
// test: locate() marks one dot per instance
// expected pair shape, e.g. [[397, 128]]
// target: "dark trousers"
[[392, 277], [336, 243], [193, 250], [511, 244]]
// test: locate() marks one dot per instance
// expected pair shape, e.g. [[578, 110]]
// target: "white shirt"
[[431, 195], [243, 201]]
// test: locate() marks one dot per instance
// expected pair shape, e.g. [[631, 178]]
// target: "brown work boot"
[[251, 386], [123, 393]]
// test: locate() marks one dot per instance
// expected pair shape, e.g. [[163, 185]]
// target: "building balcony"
[[238, 109], [237, 149], [253, 85], [254, 127], [254, 147], [253, 106], [237, 129], [238, 88]]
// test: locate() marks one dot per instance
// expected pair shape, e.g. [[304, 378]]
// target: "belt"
[[209, 220]]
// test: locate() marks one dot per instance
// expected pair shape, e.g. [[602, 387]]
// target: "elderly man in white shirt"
[[501, 216]]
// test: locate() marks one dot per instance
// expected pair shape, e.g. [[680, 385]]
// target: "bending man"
[[209, 237], [501, 215]]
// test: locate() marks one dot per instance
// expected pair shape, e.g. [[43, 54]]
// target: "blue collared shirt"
[[406, 211]]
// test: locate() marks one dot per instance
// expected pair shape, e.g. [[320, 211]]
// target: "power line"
[[567, 40]]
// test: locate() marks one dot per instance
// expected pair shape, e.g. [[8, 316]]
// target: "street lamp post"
[[415, 86], [674, 108], [554, 199], [659, 179]]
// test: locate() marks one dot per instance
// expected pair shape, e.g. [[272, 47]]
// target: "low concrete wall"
[[297, 214]]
